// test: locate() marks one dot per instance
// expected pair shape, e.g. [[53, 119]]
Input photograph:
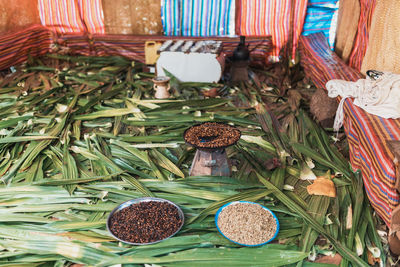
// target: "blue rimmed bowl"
[[246, 245]]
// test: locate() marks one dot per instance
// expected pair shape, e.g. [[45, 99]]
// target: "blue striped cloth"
[[198, 17], [321, 3], [170, 17], [321, 16]]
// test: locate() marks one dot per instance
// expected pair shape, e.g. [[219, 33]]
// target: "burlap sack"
[[140, 17], [383, 50], [17, 14], [323, 108], [349, 13]]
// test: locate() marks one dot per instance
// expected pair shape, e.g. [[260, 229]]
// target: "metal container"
[[210, 160], [139, 200], [235, 202], [211, 148]]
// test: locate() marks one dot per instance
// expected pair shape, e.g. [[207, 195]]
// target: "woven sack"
[[17, 14], [383, 50], [140, 17]]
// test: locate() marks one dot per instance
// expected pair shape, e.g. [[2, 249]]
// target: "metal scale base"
[[210, 162]]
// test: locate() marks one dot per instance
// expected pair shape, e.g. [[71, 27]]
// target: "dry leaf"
[[336, 259], [211, 93], [371, 259], [272, 164], [294, 99], [322, 187], [46, 83]]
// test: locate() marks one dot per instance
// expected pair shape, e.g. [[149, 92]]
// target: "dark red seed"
[[145, 222]]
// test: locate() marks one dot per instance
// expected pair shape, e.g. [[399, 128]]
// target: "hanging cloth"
[[379, 96], [198, 17]]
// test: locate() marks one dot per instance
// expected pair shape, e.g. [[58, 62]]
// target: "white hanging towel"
[[379, 96]]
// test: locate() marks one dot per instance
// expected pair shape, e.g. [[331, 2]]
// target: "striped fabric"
[[17, 46], [298, 22], [271, 17], [320, 18], [91, 12], [325, 64], [367, 8], [71, 16], [198, 17], [132, 47], [367, 134], [61, 16], [171, 17]]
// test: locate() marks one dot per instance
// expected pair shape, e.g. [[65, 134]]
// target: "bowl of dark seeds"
[[145, 221], [247, 223], [211, 135]]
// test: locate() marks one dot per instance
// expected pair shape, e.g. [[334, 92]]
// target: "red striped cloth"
[[300, 11], [71, 16], [272, 17], [367, 134], [361, 40], [91, 12], [15, 47], [132, 47]]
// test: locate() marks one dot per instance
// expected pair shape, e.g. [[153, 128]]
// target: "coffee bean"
[[145, 222]]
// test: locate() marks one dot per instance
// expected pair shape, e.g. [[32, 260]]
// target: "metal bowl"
[[246, 245], [211, 148], [139, 200]]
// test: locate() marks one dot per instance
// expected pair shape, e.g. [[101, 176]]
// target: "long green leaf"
[[343, 250]]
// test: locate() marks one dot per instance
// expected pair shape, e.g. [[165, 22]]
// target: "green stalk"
[[343, 250]]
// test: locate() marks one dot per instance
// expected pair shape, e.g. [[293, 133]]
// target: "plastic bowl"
[[246, 245], [139, 200]]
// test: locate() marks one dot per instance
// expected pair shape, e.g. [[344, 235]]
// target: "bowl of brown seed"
[[211, 135], [145, 221], [247, 223]]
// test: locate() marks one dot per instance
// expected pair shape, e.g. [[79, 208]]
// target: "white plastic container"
[[205, 65]]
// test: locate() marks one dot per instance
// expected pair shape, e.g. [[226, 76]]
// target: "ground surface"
[[81, 135]]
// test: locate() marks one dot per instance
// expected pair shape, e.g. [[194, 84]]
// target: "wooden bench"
[[36, 40], [133, 47]]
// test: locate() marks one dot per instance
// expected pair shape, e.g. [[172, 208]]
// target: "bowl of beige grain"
[[247, 223]]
